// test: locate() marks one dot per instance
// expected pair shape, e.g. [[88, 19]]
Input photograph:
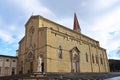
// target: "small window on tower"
[[7, 60], [60, 52], [13, 60]]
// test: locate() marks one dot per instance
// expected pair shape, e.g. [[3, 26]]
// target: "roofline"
[[21, 39], [68, 28], [34, 16], [8, 56]]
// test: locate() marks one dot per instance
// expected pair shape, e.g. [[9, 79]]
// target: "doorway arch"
[[75, 66]]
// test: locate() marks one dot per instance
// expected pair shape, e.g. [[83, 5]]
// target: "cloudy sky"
[[99, 19]]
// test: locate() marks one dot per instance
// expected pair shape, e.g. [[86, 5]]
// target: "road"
[[114, 78]]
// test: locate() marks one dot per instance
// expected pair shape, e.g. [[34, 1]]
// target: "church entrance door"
[[75, 66]]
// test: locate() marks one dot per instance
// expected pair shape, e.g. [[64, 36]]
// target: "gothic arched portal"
[[75, 67]]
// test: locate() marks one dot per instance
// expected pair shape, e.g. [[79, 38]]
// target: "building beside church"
[[50, 47], [8, 65], [114, 65]]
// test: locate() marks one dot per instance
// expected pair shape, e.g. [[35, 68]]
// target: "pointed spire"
[[76, 26]]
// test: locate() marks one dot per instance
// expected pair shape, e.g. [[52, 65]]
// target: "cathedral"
[[50, 47]]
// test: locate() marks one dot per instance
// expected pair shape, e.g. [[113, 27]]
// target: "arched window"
[[86, 57], [60, 52], [93, 58], [96, 59], [101, 60]]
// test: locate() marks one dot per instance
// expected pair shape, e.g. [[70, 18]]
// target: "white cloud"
[[102, 4], [1, 21], [34, 7], [83, 4], [27, 8], [8, 32], [7, 36], [4, 36], [65, 22], [104, 25]]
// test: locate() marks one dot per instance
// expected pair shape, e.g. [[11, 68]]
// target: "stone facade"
[[51, 47], [8, 65]]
